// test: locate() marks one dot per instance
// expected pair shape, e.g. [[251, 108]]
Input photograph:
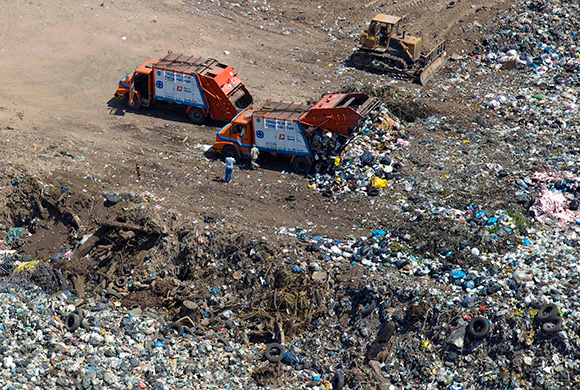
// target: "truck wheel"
[[196, 115], [301, 165], [230, 151], [132, 106]]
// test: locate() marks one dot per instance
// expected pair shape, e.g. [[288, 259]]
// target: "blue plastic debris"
[[14, 233]]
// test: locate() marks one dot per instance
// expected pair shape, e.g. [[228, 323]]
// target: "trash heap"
[[363, 163], [541, 35], [511, 318]]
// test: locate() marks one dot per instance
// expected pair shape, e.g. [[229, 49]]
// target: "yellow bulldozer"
[[387, 49]]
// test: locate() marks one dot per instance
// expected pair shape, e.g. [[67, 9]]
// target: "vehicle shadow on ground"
[[379, 71], [160, 111], [266, 162]]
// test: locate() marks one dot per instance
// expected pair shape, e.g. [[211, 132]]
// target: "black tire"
[[552, 326], [338, 381], [547, 313], [230, 151], [301, 165], [274, 352], [397, 167], [366, 311], [360, 60], [196, 115], [178, 328], [73, 322], [80, 312], [373, 191], [136, 105], [121, 282], [479, 327]]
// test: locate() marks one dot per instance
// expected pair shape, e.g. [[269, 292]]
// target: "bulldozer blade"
[[431, 69]]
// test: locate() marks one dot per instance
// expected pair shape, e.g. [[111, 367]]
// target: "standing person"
[[255, 153], [230, 161]]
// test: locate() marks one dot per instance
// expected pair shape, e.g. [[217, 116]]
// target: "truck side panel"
[[280, 136], [179, 88]]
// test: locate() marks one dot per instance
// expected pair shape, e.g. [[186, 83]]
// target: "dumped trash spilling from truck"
[[305, 133]]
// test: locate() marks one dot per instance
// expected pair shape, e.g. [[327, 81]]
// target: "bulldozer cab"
[[381, 29]]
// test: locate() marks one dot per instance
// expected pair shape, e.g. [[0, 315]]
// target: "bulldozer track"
[[389, 62]]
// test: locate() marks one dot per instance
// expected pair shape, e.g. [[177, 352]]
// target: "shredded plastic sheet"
[[550, 177], [550, 208], [25, 267]]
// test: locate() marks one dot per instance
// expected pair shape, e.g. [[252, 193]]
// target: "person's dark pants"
[[229, 172]]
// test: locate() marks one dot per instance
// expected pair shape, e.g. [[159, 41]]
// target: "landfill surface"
[[437, 248]]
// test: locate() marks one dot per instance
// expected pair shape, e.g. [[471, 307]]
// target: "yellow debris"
[[28, 266]]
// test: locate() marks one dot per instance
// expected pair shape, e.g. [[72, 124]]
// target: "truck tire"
[[196, 115], [301, 165], [178, 328], [479, 327], [73, 322], [136, 105], [547, 313], [274, 352], [338, 381], [230, 151], [552, 326]]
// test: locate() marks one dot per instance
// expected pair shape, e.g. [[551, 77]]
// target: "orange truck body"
[[286, 128], [206, 85]]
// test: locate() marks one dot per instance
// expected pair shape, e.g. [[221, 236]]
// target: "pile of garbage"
[[363, 164], [540, 35], [510, 317]]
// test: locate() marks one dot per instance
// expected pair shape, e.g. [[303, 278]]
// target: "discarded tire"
[[80, 312], [121, 282], [73, 322], [338, 381], [547, 313], [178, 328], [372, 191], [552, 326], [274, 352], [368, 310], [479, 327]]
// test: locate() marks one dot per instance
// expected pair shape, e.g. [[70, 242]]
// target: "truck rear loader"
[[302, 132], [204, 88]]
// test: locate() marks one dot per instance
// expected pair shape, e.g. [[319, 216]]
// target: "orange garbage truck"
[[203, 88], [305, 133]]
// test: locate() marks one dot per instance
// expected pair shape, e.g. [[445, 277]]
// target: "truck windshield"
[[239, 129]]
